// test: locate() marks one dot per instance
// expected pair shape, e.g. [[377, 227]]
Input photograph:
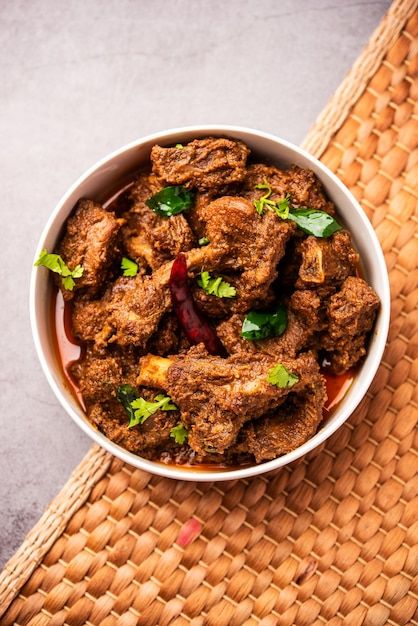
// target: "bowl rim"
[[339, 417]]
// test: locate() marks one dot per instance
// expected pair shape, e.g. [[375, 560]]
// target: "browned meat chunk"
[[242, 240], [166, 339], [202, 164], [135, 317], [194, 214], [88, 318], [290, 426], [303, 321], [217, 396], [90, 241], [303, 187], [326, 261], [350, 317], [211, 305], [111, 419], [151, 239], [288, 270], [91, 317], [99, 376], [128, 314]]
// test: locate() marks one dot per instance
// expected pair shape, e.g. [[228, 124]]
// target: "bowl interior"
[[109, 175]]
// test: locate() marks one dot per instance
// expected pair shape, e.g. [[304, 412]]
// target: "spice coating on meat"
[[242, 240], [351, 313], [91, 317], [217, 396], [90, 240], [303, 320], [202, 164], [239, 240], [303, 187], [99, 376], [136, 329], [149, 238], [110, 419], [136, 316], [325, 261], [288, 427]]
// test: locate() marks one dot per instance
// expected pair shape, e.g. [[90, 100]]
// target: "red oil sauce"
[[68, 349], [337, 386]]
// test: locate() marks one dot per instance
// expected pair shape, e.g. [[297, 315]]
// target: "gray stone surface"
[[81, 78]]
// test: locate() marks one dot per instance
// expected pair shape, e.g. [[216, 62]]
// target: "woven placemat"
[[331, 539]]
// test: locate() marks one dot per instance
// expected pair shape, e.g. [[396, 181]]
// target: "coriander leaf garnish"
[[127, 394], [56, 263], [315, 222], [311, 221], [282, 208], [203, 241], [179, 433], [144, 409], [264, 202], [259, 325], [216, 286], [129, 267], [280, 376], [264, 185], [171, 201], [139, 409]]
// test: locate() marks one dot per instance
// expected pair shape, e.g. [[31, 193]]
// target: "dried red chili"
[[193, 322]]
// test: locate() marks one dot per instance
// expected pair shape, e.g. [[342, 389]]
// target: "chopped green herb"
[[179, 145], [137, 408], [264, 185], [310, 221], [203, 241], [282, 208], [171, 201], [259, 325], [216, 286], [315, 222], [126, 394], [130, 268], [55, 263], [179, 433], [264, 202], [144, 409], [280, 376]]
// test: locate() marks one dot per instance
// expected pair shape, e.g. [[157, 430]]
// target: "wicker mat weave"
[[331, 539]]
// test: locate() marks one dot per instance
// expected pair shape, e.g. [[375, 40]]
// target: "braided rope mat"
[[331, 539]]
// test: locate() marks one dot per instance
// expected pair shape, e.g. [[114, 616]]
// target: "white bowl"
[[108, 175]]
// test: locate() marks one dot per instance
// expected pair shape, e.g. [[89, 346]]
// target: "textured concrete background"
[[81, 78]]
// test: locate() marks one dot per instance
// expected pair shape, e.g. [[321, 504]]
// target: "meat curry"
[[211, 300]]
